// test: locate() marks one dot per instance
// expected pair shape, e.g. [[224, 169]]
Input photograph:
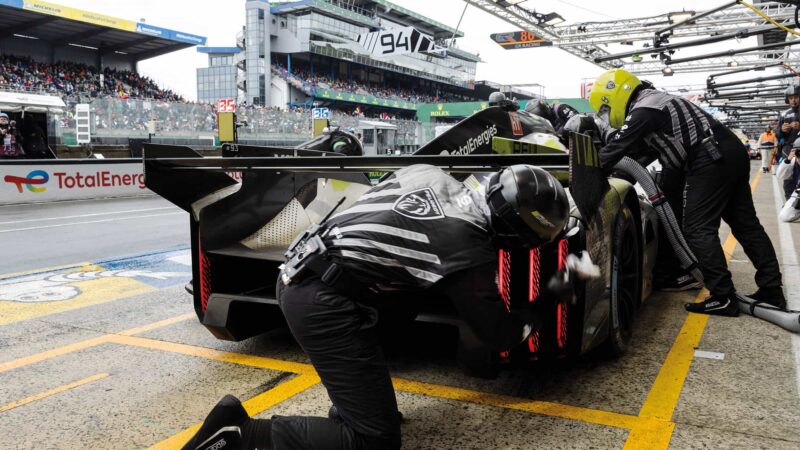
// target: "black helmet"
[[527, 204], [541, 109], [792, 89]]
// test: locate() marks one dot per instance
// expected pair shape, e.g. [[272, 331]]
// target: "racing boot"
[[229, 426], [719, 305], [677, 283], [771, 296]]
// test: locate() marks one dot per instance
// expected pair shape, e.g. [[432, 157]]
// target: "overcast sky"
[[559, 72]]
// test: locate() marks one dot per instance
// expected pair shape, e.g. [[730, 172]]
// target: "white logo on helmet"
[[604, 99], [610, 85]]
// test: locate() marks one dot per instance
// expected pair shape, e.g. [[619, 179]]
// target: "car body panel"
[[238, 234]]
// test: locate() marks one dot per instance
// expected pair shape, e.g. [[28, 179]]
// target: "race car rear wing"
[[156, 160], [169, 166]]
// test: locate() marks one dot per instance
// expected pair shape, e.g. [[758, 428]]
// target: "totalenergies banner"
[[31, 182], [79, 15], [343, 96]]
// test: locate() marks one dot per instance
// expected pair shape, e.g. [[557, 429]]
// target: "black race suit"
[[418, 230], [714, 190]]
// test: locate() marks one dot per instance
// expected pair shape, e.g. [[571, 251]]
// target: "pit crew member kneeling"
[[789, 169], [419, 229], [717, 169]]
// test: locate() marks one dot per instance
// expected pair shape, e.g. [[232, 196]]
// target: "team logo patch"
[[421, 204]]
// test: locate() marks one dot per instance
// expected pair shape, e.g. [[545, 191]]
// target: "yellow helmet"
[[614, 89]]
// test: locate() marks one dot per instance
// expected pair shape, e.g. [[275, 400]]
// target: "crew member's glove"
[[531, 323], [603, 124], [576, 268]]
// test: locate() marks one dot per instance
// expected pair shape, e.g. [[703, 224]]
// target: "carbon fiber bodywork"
[[235, 260]]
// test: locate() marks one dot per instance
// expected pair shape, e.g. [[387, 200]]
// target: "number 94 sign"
[[396, 41]]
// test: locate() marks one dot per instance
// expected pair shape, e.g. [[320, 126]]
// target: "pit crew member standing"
[[717, 180], [789, 169], [558, 115], [766, 145], [420, 229], [789, 129]]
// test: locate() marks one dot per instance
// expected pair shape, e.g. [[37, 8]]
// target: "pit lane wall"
[[30, 181]]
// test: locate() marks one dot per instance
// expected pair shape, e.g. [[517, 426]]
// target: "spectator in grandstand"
[[302, 78], [68, 78]]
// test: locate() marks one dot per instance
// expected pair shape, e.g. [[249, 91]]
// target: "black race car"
[[240, 230]]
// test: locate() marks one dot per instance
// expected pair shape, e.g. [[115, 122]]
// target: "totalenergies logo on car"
[[34, 181]]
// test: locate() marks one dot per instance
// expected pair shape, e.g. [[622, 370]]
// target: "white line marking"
[[709, 355], [89, 215], [184, 258], [142, 196], [790, 277], [92, 221]]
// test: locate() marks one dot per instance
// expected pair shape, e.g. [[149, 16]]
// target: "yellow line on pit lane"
[[49, 269], [666, 390], [255, 405], [81, 345], [49, 354], [431, 390], [560, 410], [307, 372], [50, 392], [308, 378], [92, 292], [216, 355]]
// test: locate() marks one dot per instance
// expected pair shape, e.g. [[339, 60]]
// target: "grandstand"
[[304, 53], [314, 60], [48, 50]]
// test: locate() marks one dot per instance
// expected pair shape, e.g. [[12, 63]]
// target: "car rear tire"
[[476, 359], [626, 279]]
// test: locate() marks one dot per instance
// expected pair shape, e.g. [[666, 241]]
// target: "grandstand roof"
[[61, 25], [437, 28], [361, 9]]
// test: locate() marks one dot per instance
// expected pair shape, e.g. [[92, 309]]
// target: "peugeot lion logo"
[[419, 204]]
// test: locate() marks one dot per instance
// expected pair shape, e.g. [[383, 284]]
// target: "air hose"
[[665, 214], [789, 320]]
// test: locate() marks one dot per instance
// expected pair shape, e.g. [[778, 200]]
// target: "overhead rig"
[[655, 45], [660, 37]]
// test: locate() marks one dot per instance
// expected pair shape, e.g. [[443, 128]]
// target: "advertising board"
[[46, 181]]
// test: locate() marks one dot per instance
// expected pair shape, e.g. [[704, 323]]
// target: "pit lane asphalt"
[[43, 235], [137, 370]]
